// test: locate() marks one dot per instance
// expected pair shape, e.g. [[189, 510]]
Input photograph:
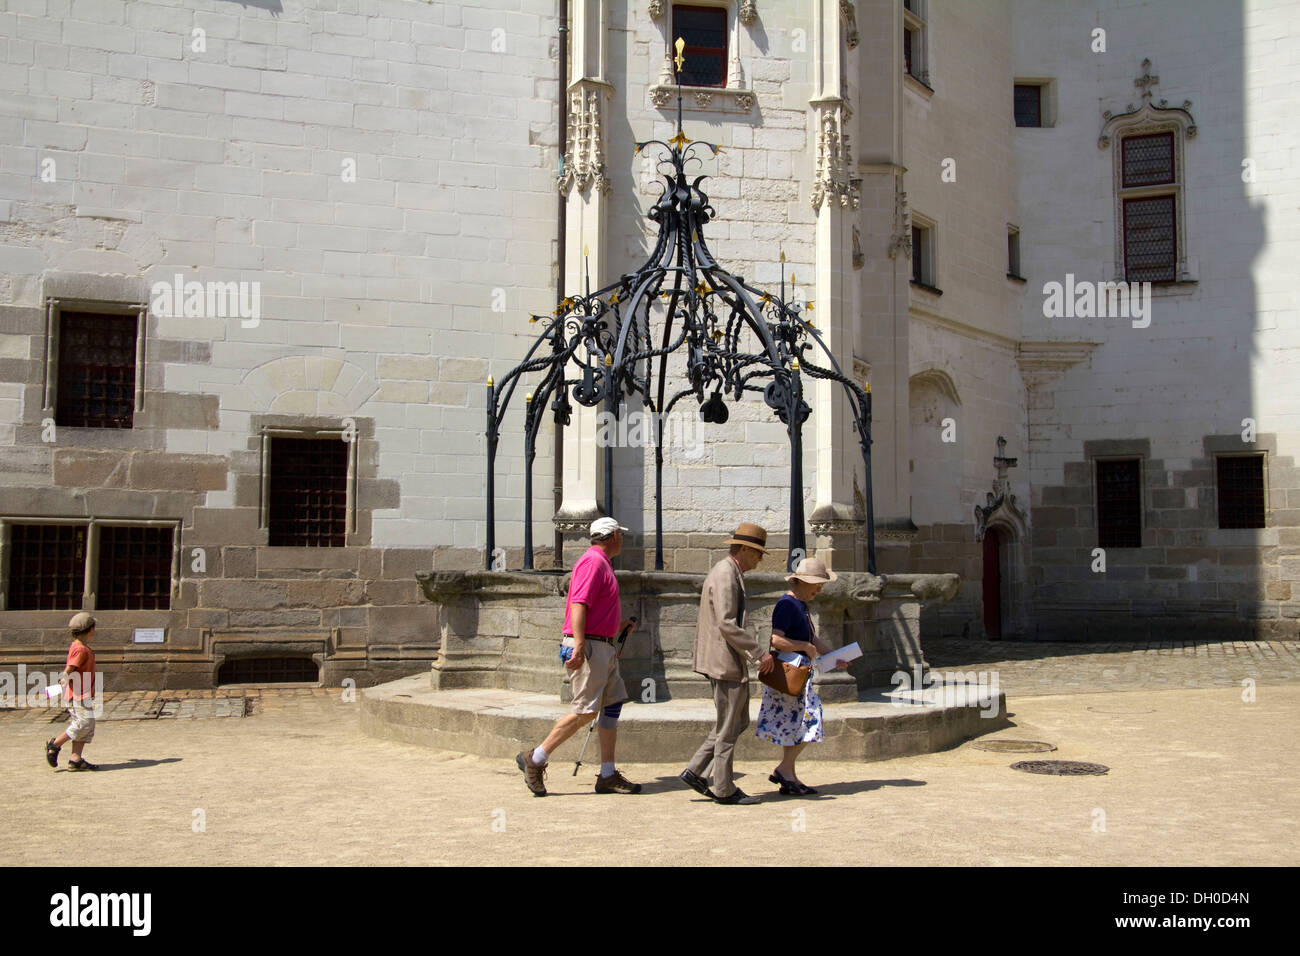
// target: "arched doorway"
[[992, 583]]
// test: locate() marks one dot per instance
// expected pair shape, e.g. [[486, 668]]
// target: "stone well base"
[[499, 723]]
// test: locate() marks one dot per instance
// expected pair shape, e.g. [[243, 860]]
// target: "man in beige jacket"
[[722, 652]]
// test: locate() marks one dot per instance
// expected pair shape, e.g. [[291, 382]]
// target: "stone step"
[[499, 723]]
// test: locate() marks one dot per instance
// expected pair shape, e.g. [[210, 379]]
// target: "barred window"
[[1150, 240], [705, 31], [96, 384], [308, 492], [1149, 207], [1119, 503], [47, 567], [135, 568], [1148, 160], [1241, 491], [1029, 104]]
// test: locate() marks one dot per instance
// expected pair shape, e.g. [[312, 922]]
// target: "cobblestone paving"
[[1027, 668]]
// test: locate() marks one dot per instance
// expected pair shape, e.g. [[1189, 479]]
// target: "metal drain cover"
[[1014, 746], [1118, 712], [1060, 767]]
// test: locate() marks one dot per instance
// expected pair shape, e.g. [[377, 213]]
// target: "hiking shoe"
[[616, 783], [695, 783], [82, 764], [534, 775], [737, 797], [52, 753]]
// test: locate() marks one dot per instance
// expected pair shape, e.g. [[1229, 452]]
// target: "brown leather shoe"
[[616, 783], [534, 775]]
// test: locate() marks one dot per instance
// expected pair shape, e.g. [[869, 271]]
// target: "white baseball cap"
[[602, 527]]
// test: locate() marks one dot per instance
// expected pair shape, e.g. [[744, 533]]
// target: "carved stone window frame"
[[91, 570], [736, 96], [1146, 121]]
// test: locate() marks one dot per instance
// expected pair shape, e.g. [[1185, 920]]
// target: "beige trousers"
[[731, 700]]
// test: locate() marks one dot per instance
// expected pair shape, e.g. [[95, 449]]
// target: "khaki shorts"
[[82, 727], [597, 682]]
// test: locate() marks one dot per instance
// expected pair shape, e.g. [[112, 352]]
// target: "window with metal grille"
[[308, 492], [705, 31], [96, 370], [269, 670], [1241, 491], [1119, 503], [1150, 239], [135, 568], [1029, 104], [1149, 206], [47, 567], [1147, 160]]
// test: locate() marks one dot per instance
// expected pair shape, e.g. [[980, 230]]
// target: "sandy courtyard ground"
[[1197, 777]]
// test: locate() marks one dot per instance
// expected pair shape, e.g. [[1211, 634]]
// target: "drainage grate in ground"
[[1118, 711], [1014, 746], [1072, 768]]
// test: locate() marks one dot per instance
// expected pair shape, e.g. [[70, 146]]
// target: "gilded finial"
[[490, 382], [681, 60], [866, 387], [794, 364], [609, 360], [528, 397], [783, 256], [586, 250]]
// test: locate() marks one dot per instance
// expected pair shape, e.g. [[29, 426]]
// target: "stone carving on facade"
[[850, 23], [748, 12], [859, 259], [900, 240], [703, 99], [584, 161], [1000, 498], [1148, 113], [661, 97], [656, 9], [836, 179]]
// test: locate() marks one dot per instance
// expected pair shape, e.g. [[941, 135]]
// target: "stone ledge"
[[499, 723]]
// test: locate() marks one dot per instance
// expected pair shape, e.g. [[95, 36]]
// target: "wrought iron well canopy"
[[735, 338]]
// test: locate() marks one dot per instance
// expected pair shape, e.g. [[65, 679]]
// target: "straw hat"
[[751, 536], [814, 571]]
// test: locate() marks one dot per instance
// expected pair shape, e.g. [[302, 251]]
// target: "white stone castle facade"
[[381, 181]]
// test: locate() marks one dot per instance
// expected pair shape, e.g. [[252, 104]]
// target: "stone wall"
[[503, 629]]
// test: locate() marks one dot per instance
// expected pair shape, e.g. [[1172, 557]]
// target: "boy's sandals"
[[82, 764], [52, 753]]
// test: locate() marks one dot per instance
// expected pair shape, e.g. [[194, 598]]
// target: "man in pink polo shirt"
[[591, 627]]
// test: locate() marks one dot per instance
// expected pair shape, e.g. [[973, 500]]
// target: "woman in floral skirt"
[[795, 722]]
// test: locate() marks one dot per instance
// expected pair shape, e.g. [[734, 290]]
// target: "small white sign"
[[149, 635]]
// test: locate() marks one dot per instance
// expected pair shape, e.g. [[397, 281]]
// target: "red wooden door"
[[992, 584]]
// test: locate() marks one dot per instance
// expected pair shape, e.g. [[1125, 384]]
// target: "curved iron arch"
[[607, 334]]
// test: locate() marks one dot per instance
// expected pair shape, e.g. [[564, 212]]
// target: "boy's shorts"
[[597, 682], [82, 727]]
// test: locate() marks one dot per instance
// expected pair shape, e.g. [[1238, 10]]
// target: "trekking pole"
[[622, 638]]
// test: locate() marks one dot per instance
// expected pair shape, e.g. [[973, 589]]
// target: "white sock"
[[539, 756], [607, 769]]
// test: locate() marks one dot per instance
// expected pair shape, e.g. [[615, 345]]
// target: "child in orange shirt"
[[79, 693]]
